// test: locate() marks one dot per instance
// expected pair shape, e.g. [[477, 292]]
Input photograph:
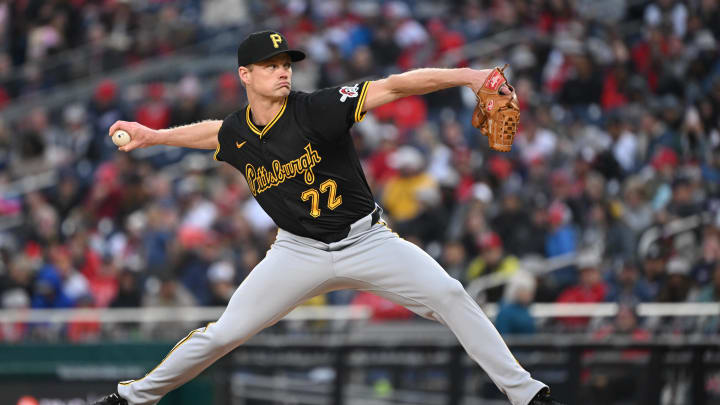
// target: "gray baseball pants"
[[370, 258]]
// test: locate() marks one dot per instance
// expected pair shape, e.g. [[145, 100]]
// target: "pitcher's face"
[[270, 78]]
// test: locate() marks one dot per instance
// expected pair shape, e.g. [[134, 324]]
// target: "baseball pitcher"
[[296, 154]]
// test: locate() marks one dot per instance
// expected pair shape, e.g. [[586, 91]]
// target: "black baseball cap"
[[262, 45]]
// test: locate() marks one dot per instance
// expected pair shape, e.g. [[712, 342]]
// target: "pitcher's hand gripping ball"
[[120, 137], [496, 114]]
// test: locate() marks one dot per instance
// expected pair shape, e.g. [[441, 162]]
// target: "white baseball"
[[120, 138]]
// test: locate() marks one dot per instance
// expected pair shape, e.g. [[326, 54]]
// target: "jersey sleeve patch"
[[348, 92]]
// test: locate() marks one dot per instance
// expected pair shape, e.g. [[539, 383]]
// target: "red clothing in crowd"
[[582, 294], [379, 166], [383, 309], [612, 97], [406, 113], [155, 113]]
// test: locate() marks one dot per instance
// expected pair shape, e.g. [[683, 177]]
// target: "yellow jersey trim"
[[359, 114], [269, 125], [180, 343], [217, 150]]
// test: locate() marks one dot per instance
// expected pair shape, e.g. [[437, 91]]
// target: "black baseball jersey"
[[302, 167]]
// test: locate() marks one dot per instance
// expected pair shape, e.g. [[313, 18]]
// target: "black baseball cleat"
[[543, 398], [112, 399]]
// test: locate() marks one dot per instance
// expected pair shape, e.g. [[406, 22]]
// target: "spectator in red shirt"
[[615, 87], [105, 196], [406, 113], [379, 162], [382, 308], [647, 55], [156, 112], [590, 289]]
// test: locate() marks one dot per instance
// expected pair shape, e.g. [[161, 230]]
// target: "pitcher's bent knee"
[[223, 341], [229, 338]]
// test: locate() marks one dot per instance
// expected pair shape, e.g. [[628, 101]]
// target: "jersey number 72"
[[312, 194]]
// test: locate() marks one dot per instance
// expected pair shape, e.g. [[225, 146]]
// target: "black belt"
[[375, 216], [374, 219]]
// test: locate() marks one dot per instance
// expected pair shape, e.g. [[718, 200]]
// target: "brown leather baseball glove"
[[497, 112]]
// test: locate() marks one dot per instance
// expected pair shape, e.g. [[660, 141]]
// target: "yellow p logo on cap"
[[277, 39]]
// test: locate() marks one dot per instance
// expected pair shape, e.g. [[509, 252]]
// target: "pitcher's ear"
[[244, 74]]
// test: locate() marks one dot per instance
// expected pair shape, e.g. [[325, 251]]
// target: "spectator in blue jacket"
[[561, 240], [514, 317]]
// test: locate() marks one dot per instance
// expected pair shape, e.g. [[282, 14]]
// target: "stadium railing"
[[331, 313]]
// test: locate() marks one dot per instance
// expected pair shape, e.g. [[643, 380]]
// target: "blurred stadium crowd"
[[618, 151]]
